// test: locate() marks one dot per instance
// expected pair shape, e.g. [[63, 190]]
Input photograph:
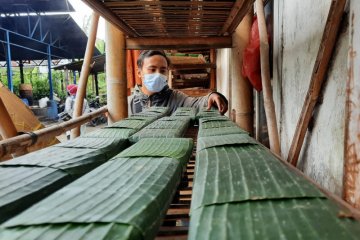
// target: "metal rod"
[[19, 143], [30, 49], [49, 73], [8, 62]]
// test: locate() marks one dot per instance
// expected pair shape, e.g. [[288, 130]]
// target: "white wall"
[[298, 28], [223, 70]]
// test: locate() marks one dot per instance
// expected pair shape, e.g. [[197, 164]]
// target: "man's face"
[[154, 64]]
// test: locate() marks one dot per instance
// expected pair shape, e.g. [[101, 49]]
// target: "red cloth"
[[251, 58], [72, 89]]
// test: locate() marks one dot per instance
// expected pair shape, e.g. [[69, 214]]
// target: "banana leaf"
[[297, 219], [204, 113], [216, 124], [185, 112], [168, 127], [110, 146], [132, 194], [130, 123], [22, 186], [177, 148], [121, 133], [225, 140], [237, 173], [207, 132], [101, 231]]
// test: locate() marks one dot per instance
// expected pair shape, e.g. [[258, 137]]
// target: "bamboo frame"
[[178, 43], [265, 79], [116, 81], [21, 142], [317, 78], [85, 70]]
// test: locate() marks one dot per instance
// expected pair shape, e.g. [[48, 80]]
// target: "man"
[[154, 91]]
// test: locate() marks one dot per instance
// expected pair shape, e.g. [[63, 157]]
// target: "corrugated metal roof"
[[34, 6]]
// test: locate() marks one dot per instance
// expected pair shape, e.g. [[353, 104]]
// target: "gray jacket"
[[166, 98]]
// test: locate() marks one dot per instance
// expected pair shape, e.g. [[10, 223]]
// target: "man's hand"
[[217, 101]]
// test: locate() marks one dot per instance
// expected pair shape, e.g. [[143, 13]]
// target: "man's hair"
[[149, 53]]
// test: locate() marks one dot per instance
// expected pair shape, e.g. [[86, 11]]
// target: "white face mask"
[[155, 82]]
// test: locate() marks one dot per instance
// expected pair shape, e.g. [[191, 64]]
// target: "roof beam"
[[111, 17], [238, 11], [178, 43]]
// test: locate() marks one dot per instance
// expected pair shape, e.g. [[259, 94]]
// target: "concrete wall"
[[298, 28]]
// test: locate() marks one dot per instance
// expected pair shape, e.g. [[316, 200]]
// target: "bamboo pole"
[[85, 69], [317, 78], [7, 127], [116, 81], [213, 70], [265, 79], [351, 183], [242, 91], [19, 143]]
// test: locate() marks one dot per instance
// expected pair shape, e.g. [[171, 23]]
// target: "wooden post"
[[351, 185], [85, 69], [212, 70], [317, 78], [265, 79], [257, 116], [116, 81], [7, 127], [242, 91]]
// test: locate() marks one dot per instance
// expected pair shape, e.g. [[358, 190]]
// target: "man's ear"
[[139, 74]]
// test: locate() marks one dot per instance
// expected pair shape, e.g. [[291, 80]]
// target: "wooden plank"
[[179, 43], [317, 78], [110, 16], [239, 10], [168, 3], [192, 66], [213, 70], [351, 185]]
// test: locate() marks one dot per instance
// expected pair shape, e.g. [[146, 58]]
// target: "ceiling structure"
[[201, 24]]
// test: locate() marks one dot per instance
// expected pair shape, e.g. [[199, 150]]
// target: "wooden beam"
[[116, 82], [351, 184], [189, 66], [178, 43], [85, 70], [238, 11], [265, 79], [107, 14], [317, 78], [120, 4]]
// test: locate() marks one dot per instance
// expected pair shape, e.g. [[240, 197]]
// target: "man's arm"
[[214, 99]]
